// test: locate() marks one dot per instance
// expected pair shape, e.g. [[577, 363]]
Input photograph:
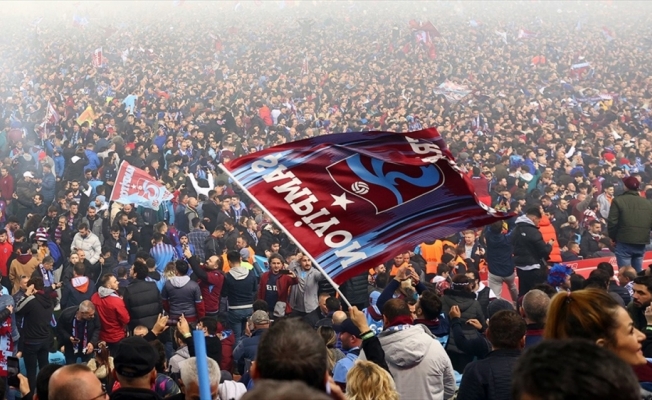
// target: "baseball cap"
[[631, 183], [260, 317], [349, 327], [134, 357], [28, 174]]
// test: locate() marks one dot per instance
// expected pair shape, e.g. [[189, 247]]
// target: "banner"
[[452, 91], [51, 115], [355, 200], [98, 59], [525, 34], [87, 116], [135, 186]]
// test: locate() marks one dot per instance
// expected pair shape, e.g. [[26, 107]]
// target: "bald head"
[[338, 317], [535, 306], [75, 382], [626, 275]]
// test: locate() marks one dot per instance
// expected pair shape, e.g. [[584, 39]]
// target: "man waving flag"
[[352, 199]]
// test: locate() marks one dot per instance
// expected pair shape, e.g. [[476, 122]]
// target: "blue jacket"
[[499, 253], [48, 188], [246, 350], [59, 165], [94, 162]]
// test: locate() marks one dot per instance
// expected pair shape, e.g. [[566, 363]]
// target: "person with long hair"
[[327, 333], [594, 315], [367, 381]]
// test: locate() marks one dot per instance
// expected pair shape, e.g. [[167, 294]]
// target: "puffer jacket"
[[529, 246], [470, 309], [490, 378], [630, 219], [143, 302], [418, 363], [548, 232], [90, 244], [356, 289]]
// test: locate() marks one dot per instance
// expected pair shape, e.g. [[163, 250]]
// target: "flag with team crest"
[[355, 200]]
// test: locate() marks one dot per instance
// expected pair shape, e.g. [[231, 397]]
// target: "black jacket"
[[71, 297], [589, 246], [64, 329], [143, 302], [529, 247], [37, 313], [134, 394], [490, 378], [620, 291], [356, 289]]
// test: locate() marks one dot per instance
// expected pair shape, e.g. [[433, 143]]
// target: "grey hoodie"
[[182, 296], [105, 292], [418, 362]]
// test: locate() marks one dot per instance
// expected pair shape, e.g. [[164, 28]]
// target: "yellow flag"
[[87, 115]]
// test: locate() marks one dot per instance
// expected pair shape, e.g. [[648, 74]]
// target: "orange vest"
[[431, 253], [225, 264]]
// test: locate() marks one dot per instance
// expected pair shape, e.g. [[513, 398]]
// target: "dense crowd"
[[552, 124]]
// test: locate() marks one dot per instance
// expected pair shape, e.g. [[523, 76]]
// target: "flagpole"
[[281, 227]]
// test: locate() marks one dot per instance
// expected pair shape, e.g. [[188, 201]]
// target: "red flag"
[[353, 200], [98, 59], [135, 186], [432, 51], [430, 28]]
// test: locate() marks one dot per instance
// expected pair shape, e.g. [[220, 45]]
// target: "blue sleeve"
[[340, 371], [387, 293]]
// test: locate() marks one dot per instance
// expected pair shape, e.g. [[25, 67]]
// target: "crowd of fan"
[[113, 291]]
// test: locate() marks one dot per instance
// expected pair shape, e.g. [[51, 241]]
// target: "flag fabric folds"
[[452, 91], [87, 116], [98, 58], [79, 22], [135, 186], [354, 200], [525, 34], [608, 34]]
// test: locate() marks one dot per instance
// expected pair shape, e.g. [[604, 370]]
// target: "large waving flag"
[[79, 22], [525, 34], [354, 200], [51, 115], [608, 34], [452, 91], [87, 116], [135, 186]]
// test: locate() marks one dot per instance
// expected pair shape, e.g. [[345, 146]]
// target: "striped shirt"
[[163, 254]]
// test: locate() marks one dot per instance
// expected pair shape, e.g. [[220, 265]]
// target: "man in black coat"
[[142, 298], [78, 330], [530, 251], [491, 377]]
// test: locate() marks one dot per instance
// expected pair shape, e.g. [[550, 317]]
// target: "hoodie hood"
[[408, 347], [105, 292], [80, 283], [24, 258], [524, 219], [179, 281], [239, 273]]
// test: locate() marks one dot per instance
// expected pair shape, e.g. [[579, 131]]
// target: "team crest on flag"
[[383, 184], [354, 200]]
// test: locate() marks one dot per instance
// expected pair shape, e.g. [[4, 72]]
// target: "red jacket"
[[113, 315], [6, 250], [283, 284]]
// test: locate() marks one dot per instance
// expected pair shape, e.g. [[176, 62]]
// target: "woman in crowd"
[[594, 315], [367, 381]]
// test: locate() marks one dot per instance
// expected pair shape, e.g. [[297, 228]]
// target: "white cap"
[[28, 175]]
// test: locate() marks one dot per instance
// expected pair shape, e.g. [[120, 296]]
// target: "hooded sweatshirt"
[[418, 363], [24, 264], [113, 314], [181, 295], [79, 288], [240, 287]]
